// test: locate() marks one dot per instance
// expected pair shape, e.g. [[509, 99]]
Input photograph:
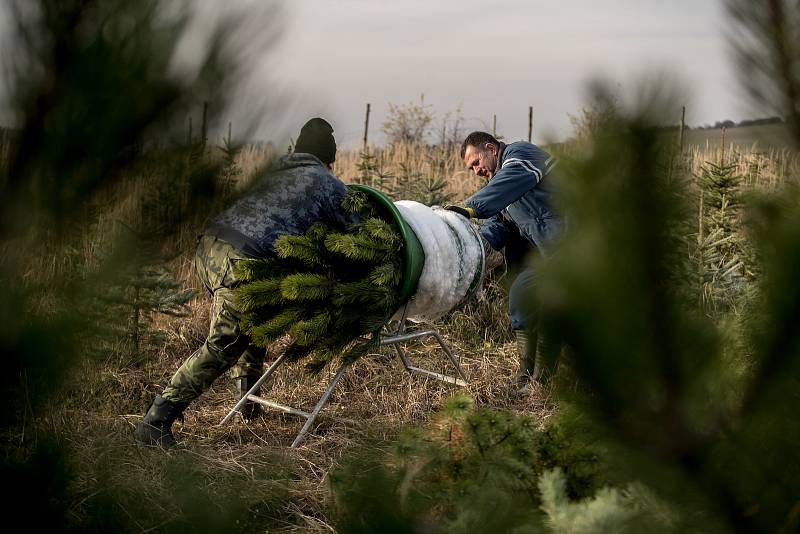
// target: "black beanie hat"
[[316, 137]]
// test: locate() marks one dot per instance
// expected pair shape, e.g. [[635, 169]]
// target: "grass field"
[[765, 137], [670, 304], [95, 413]]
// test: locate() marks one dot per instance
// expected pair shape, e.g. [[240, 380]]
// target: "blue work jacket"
[[518, 198]]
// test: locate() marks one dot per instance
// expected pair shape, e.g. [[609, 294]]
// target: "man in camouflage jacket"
[[295, 192]]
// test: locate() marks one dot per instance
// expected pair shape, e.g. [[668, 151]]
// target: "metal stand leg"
[[310, 417], [393, 340], [247, 396], [322, 402], [399, 336]]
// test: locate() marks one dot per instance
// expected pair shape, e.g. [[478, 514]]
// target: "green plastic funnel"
[[414, 256]]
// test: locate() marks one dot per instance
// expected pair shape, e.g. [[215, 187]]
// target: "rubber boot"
[[530, 366], [156, 427], [250, 410]]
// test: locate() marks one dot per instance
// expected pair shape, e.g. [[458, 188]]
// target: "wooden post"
[[494, 126], [530, 124], [683, 126], [189, 140], [366, 127], [204, 129], [722, 146], [230, 124]]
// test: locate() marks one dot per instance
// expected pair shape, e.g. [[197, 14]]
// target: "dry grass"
[[763, 170], [409, 159], [100, 405], [374, 400]]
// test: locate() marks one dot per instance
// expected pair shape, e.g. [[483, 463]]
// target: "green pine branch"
[[381, 230], [317, 233], [362, 348], [388, 274], [259, 294], [357, 247], [299, 247], [362, 292], [358, 202], [268, 331], [340, 284], [252, 270], [307, 333], [294, 352], [306, 286]]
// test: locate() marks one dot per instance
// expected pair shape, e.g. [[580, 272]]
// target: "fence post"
[[683, 126], [494, 125], [530, 124], [366, 127]]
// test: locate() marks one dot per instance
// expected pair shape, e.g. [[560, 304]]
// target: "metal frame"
[[399, 336], [394, 338]]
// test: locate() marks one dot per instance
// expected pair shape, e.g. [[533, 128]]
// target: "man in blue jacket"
[[516, 201], [297, 191]]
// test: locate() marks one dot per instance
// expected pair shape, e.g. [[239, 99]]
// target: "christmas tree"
[[330, 290]]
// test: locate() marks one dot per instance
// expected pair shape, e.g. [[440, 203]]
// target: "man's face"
[[482, 161]]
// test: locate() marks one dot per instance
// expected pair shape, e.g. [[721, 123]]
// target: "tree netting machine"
[[444, 264]]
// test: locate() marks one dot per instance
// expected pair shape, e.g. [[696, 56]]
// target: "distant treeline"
[[726, 124], [747, 122]]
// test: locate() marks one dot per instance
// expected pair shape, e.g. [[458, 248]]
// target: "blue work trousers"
[[522, 305]]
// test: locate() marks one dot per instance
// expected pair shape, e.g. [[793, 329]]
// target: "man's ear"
[[491, 148]]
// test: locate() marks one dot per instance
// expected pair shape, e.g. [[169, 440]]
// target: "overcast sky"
[[482, 57], [498, 57]]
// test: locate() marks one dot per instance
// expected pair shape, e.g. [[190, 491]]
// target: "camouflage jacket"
[[297, 191]]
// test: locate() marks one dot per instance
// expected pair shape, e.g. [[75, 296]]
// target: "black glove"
[[469, 213]]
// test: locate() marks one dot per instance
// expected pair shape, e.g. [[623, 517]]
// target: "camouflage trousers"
[[226, 347]]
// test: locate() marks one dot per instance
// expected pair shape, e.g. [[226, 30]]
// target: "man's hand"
[[469, 213]]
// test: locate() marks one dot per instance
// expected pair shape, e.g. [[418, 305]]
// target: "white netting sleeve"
[[454, 259]]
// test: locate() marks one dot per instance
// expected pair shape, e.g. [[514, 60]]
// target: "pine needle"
[[361, 292], [299, 247], [306, 286], [388, 274], [358, 202], [295, 352], [361, 348], [318, 362], [277, 326], [317, 233], [251, 270], [259, 294], [306, 333], [381, 230], [356, 247]]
